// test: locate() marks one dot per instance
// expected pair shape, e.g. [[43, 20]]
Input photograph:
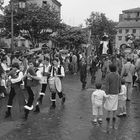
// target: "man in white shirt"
[[45, 74], [33, 87]]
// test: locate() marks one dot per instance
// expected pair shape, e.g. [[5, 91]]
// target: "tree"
[[34, 23], [71, 36], [98, 24]]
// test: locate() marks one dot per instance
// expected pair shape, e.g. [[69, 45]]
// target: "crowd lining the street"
[[34, 72]]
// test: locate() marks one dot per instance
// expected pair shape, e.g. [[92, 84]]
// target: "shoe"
[[94, 121], [120, 115], [124, 114], [100, 121], [7, 114], [128, 100], [63, 100], [37, 109]]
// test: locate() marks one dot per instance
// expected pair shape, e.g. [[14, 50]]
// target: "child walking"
[[122, 100], [97, 103]]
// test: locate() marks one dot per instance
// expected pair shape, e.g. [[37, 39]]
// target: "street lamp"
[[21, 4]]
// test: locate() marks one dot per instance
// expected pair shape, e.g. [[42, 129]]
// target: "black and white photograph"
[[69, 70]]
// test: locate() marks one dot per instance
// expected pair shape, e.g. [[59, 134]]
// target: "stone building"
[[129, 23], [53, 3]]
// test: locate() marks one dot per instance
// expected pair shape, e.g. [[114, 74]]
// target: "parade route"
[[71, 121]]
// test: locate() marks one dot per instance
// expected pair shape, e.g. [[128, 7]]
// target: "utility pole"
[[12, 26]]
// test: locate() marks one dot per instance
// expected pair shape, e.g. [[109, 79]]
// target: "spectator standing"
[[138, 70], [122, 99], [83, 73], [74, 63], [127, 73], [113, 86]]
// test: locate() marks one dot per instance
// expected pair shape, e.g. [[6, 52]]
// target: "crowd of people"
[[121, 75], [34, 72]]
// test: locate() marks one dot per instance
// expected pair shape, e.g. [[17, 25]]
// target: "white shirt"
[[3, 83], [56, 71], [46, 68], [5, 67], [18, 79], [97, 97], [105, 48], [39, 75], [122, 95]]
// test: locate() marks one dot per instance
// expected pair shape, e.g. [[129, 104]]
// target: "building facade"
[[53, 3], [129, 23]]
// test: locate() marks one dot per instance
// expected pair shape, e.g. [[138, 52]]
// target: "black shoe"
[[120, 115], [63, 100], [37, 109], [128, 100], [7, 114], [124, 115], [100, 121]]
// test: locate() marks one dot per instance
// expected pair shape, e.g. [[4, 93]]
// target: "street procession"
[[60, 79]]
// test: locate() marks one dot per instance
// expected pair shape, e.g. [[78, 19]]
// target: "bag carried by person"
[[126, 73]]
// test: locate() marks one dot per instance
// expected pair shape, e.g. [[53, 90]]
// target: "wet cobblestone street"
[[71, 121]]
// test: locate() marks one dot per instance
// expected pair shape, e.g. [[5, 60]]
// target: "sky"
[[75, 12]]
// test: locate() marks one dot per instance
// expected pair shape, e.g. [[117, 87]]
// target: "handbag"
[[126, 73]]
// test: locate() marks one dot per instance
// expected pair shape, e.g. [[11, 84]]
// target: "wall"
[[123, 34]]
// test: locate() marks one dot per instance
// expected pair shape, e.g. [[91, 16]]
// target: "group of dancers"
[[35, 79]]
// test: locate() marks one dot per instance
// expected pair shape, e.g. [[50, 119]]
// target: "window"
[[120, 31], [127, 31], [44, 3], [128, 16], [138, 14], [126, 38], [134, 31], [119, 38]]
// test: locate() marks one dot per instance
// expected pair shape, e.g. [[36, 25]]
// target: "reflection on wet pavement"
[[72, 121]]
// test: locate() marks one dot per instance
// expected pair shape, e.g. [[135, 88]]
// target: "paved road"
[[69, 122]]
